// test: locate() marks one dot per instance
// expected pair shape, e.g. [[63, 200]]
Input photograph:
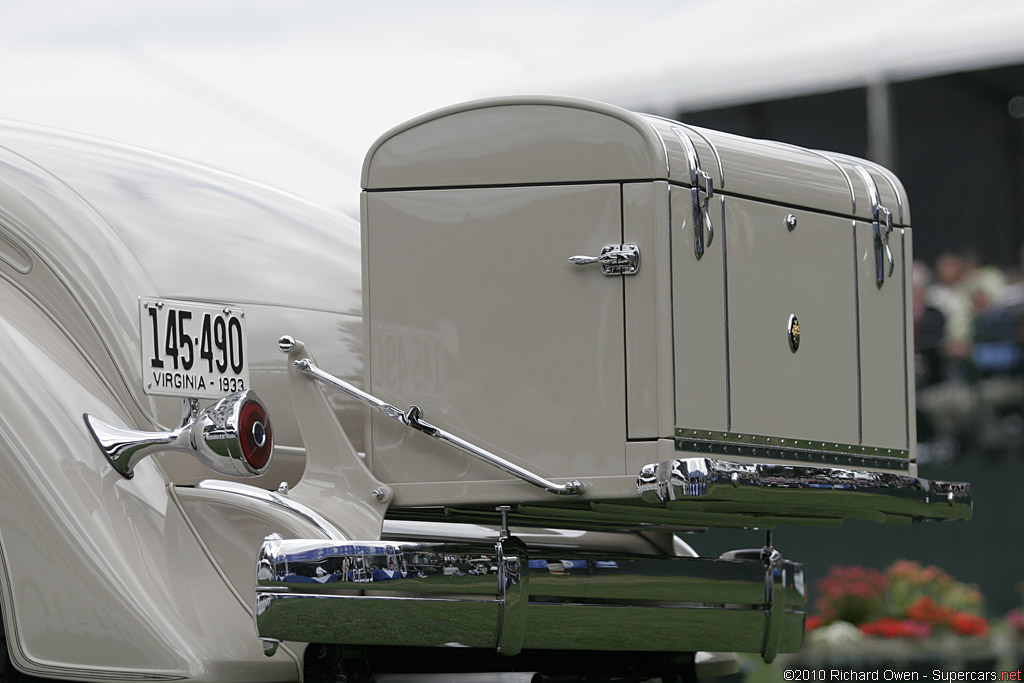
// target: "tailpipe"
[[231, 437]]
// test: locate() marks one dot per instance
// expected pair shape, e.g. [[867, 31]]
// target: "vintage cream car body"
[[579, 331]]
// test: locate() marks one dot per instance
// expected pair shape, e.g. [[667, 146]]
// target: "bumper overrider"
[[502, 596]]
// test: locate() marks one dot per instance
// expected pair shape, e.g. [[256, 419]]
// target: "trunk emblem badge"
[[794, 333]]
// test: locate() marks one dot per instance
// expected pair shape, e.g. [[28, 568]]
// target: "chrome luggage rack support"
[[412, 418], [766, 488]]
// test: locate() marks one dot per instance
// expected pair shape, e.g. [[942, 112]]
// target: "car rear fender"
[[101, 577]]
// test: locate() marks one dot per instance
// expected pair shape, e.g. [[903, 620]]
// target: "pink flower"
[[1016, 620], [852, 594]]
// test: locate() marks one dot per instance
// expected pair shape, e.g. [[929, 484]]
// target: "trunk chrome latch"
[[881, 224], [701, 192], [615, 259]]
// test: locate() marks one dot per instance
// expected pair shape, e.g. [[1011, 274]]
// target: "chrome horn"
[[232, 437]]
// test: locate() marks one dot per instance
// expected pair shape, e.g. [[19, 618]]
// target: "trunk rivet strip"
[[759, 445]]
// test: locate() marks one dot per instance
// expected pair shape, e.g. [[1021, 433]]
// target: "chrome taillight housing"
[[232, 437]]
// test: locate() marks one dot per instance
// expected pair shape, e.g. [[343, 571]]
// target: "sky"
[[289, 93], [293, 92]]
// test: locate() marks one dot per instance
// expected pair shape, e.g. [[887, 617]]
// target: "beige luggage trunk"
[[584, 291]]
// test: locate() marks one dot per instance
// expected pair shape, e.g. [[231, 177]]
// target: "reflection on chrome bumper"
[[499, 596], [802, 491]]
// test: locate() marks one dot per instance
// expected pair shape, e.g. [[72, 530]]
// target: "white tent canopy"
[[293, 93], [713, 54]]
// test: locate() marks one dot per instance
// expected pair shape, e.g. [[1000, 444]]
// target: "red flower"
[[969, 624], [813, 622], [927, 611], [887, 627]]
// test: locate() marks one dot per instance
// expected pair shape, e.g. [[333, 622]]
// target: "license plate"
[[192, 350]]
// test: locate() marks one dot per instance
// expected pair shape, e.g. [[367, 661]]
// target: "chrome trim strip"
[[664, 147], [412, 419], [849, 182], [826, 157], [782, 484], [872, 188], [488, 595], [714, 150], [887, 174], [325, 527]]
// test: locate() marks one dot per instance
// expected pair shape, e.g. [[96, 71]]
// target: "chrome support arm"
[[411, 418]]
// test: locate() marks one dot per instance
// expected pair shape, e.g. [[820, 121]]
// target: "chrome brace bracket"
[[412, 418]]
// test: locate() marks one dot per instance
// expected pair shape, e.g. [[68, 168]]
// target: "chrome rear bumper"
[[503, 597]]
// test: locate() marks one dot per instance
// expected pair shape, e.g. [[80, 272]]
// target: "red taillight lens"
[[255, 434]]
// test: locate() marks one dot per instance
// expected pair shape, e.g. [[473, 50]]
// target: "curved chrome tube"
[[280, 500], [411, 418]]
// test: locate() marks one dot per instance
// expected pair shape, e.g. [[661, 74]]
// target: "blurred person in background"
[[997, 363], [971, 375], [949, 295], [945, 400], [929, 331], [929, 342]]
